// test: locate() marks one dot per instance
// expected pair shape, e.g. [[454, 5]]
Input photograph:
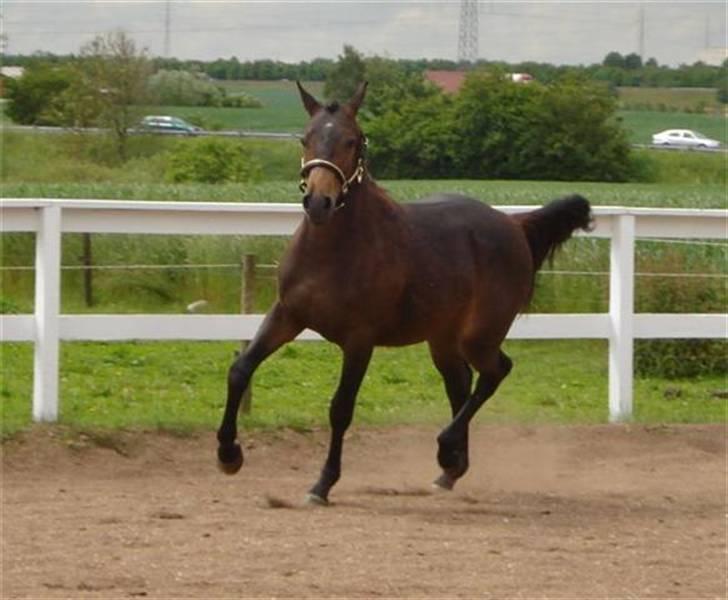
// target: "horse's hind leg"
[[492, 367], [276, 330], [458, 378]]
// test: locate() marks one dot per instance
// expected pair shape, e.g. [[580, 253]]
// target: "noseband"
[[356, 176]]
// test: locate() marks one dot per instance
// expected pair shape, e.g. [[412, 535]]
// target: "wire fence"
[[150, 267]]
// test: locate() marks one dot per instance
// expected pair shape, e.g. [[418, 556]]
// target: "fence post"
[[621, 317], [247, 306], [86, 258], [47, 308]]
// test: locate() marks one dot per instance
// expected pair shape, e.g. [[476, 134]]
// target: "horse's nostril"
[[306, 201], [327, 202]]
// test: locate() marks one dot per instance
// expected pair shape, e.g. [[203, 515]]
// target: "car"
[[169, 124], [685, 138]]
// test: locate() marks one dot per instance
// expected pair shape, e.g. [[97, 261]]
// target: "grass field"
[[181, 386], [641, 124], [281, 111]]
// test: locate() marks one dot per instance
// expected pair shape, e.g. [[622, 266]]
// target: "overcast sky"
[[556, 32]]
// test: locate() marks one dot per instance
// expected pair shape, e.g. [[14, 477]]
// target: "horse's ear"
[[358, 97], [310, 103]]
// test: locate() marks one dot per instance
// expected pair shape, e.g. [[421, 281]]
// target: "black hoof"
[[230, 459], [453, 462]]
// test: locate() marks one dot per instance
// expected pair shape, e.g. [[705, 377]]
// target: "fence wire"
[[275, 266]]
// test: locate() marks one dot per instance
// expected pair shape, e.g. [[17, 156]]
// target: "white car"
[[683, 137]]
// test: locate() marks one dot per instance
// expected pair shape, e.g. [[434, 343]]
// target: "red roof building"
[[448, 81]]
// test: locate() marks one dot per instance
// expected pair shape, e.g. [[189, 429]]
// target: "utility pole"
[[167, 22], [468, 31]]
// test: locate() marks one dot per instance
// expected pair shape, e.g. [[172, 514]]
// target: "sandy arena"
[[545, 512]]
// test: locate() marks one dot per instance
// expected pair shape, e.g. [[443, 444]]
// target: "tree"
[[495, 128], [111, 84], [613, 59], [633, 61], [31, 98], [347, 73]]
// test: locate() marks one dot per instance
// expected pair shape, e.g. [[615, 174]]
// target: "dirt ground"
[[545, 512]]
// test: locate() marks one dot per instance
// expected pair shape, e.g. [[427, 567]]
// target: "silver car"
[[684, 138]]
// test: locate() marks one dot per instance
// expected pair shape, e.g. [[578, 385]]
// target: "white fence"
[[49, 219]]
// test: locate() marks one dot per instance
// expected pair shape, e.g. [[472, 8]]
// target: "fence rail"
[[46, 327]]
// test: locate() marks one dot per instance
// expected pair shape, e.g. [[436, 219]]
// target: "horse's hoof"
[[444, 482], [315, 500], [230, 459]]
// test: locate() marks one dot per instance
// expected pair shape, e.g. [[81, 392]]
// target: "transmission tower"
[[167, 23], [468, 31]]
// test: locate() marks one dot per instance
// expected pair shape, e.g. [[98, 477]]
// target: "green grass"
[[493, 192], [91, 158], [181, 386], [641, 124], [669, 99], [281, 111]]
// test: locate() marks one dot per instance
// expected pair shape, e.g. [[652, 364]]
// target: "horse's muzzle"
[[318, 207]]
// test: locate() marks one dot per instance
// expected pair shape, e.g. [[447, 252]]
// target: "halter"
[[356, 176]]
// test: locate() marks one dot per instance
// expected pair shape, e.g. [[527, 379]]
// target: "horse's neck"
[[367, 209]]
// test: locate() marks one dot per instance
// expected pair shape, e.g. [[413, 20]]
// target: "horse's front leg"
[[341, 412], [277, 329]]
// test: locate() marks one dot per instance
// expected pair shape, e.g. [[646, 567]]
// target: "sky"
[[564, 32]]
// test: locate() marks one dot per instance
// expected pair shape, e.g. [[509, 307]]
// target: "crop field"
[[669, 99]]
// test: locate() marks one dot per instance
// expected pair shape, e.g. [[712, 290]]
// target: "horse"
[[363, 271]]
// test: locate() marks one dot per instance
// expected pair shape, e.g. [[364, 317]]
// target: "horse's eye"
[[350, 143]]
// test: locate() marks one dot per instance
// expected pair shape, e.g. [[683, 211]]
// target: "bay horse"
[[365, 271]]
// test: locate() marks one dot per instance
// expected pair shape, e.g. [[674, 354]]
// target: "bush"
[[241, 100], [210, 160], [182, 88], [498, 129], [680, 358]]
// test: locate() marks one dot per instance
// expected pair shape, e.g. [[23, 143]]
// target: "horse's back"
[[469, 261], [450, 221]]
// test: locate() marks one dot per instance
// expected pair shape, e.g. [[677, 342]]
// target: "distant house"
[[450, 82], [12, 72]]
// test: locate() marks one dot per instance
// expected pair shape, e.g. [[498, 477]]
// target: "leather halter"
[[356, 176]]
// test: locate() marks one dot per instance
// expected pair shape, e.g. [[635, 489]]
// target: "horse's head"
[[333, 154]]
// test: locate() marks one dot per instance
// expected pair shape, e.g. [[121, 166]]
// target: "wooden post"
[[247, 306], [87, 259]]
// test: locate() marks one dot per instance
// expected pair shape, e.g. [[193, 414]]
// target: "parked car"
[[685, 138], [170, 124]]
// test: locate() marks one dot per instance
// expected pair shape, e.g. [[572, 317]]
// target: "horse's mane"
[[332, 107]]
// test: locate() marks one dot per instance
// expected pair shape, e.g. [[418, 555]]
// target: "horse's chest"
[[335, 301]]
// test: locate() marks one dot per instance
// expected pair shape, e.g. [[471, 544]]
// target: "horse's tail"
[[550, 226]]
